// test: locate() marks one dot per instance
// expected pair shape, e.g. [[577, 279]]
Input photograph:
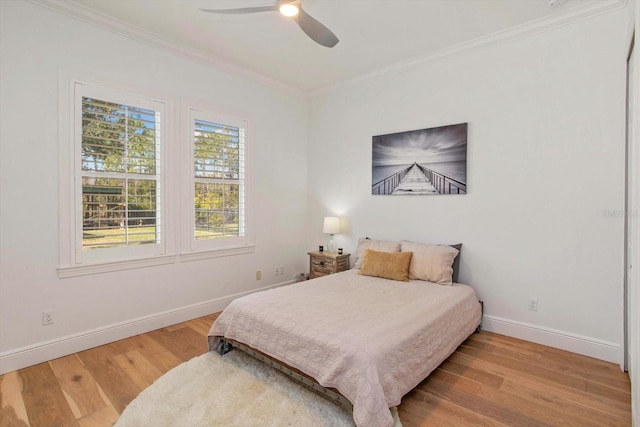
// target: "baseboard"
[[41, 352], [13, 360], [587, 346]]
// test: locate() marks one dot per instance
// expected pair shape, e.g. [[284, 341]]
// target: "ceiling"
[[374, 34]]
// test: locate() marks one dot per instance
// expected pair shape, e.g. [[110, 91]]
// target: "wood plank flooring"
[[491, 380]]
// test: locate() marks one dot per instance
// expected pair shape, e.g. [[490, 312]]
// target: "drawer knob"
[[322, 263]]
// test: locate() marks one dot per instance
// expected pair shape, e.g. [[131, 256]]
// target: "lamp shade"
[[331, 225]]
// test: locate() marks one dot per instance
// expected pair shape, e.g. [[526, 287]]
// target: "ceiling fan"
[[293, 9]]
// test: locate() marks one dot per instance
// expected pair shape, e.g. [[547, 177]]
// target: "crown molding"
[[89, 16], [587, 10]]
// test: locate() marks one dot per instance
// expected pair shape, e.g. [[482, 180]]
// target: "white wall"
[[546, 160], [36, 46], [543, 216]]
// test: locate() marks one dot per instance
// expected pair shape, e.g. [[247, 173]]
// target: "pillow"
[[388, 265], [433, 263], [456, 262], [377, 245]]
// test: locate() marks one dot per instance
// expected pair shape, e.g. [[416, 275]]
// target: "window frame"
[[192, 247], [118, 252], [176, 194], [74, 260]]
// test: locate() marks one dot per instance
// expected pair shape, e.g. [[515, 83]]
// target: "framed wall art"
[[420, 162]]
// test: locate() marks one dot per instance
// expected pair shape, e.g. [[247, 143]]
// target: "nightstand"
[[323, 263]]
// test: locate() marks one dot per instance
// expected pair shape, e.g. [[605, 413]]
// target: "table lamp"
[[331, 226]]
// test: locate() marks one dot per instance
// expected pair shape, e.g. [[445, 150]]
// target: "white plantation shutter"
[[120, 167], [123, 206], [219, 194]]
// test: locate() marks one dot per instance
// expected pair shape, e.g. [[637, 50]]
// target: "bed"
[[371, 338]]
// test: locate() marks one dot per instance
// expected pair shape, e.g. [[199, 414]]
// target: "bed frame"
[[226, 345]]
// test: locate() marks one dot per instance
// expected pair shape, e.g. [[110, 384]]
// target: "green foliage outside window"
[[119, 163], [217, 168]]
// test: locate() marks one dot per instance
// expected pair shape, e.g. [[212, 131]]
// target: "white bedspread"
[[372, 339]]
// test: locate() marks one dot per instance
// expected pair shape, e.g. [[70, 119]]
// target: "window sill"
[[216, 253], [106, 267]]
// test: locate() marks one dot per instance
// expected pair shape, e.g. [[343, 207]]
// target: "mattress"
[[370, 338]]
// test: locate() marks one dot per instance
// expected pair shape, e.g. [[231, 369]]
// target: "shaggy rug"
[[233, 390]]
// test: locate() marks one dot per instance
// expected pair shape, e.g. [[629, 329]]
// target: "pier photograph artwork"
[[420, 162]]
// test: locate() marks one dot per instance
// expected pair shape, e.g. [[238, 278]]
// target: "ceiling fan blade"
[[315, 30], [268, 8]]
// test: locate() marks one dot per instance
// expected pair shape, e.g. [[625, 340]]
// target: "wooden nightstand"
[[323, 263]]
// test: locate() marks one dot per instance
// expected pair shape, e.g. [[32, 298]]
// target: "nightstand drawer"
[[324, 263]]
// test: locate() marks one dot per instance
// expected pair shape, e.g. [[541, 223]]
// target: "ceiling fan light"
[[289, 9]]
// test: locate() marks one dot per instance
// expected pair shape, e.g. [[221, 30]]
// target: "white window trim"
[[93, 256], [106, 267], [193, 249], [178, 184], [71, 261]]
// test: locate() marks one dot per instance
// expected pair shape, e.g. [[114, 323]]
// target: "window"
[[135, 194], [218, 213], [118, 193]]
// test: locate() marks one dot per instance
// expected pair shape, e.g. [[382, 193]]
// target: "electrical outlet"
[[533, 304], [281, 270], [258, 274], [47, 317]]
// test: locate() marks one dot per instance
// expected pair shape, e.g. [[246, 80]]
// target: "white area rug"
[[233, 390]]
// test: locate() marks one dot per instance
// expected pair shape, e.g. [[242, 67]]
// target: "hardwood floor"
[[491, 380]]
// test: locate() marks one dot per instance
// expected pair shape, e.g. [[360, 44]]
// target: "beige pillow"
[[388, 265], [430, 262], [376, 245]]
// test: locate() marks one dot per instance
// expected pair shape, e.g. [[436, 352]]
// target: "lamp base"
[[331, 246]]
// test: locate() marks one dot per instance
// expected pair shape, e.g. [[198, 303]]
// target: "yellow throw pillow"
[[388, 265]]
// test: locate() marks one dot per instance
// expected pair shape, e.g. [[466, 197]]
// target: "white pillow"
[[433, 263], [376, 245]]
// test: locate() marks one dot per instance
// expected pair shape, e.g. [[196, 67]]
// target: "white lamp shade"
[[331, 225]]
